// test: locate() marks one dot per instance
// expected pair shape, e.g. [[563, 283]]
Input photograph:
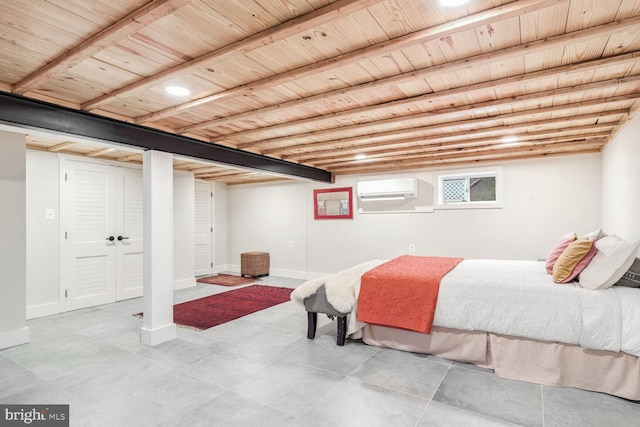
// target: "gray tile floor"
[[261, 370]]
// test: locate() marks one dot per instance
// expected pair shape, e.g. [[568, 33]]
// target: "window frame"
[[494, 171]]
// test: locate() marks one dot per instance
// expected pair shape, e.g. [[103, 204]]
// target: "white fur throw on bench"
[[340, 287]]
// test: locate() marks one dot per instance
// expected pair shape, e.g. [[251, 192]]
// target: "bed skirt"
[[541, 362]]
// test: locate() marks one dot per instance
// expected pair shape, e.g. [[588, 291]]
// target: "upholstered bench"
[[333, 295], [317, 303], [254, 264]]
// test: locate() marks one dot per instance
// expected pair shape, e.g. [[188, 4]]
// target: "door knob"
[[122, 238], [110, 238]]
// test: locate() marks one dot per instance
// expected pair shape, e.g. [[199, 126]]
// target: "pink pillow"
[[557, 250]]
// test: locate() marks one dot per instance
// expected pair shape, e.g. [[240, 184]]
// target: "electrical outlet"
[[412, 248], [292, 244], [49, 214]]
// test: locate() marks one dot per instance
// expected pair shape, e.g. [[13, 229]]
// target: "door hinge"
[[65, 176], [212, 229], [65, 235], [65, 293], [212, 264], [212, 194]]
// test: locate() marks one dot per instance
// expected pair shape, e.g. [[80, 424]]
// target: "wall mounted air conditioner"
[[388, 189]]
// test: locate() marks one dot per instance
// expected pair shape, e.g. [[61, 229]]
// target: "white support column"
[[13, 244], [158, 326]]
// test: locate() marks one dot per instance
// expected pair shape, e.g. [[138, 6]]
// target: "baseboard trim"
[[282, 272], [14, 338], [293, 274], [157, 336], [42, 310], [221, 269], [184, 283]]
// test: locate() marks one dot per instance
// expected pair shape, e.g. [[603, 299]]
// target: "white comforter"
[[518, 298]]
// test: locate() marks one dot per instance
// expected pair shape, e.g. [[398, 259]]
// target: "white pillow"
[[613, 259], [596, 235]]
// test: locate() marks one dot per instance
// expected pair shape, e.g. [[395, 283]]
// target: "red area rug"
[[227, 280], [217, 309]]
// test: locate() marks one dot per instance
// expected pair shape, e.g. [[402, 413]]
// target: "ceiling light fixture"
[[509, 139], [361, 156], [452, 3], [177, 90]]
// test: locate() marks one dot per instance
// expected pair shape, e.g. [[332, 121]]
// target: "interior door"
[[203, 228], [90, 235], [129, 228]]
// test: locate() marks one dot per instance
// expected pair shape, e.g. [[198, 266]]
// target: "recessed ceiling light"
[[177, 90], [361, 156], [509, 139], [452, 3]]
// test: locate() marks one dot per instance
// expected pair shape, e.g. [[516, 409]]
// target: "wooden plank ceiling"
[[349, 86]]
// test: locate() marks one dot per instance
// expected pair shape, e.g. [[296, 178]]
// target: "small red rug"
[[204, 313], [227, 280]]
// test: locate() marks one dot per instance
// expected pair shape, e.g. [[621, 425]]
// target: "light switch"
[[50, 214]]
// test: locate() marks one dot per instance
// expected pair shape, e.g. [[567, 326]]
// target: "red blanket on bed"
[[402, 293]]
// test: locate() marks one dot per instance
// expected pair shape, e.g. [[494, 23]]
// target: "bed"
[[512, 317]]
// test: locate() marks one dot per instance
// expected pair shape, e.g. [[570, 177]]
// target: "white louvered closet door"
[[203, 228], [90, 254], [104, 218], [129, 221]]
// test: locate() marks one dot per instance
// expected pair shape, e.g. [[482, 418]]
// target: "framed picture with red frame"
[[333, 203]]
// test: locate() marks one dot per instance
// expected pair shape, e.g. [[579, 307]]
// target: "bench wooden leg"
[[312, 321], [342, 330]]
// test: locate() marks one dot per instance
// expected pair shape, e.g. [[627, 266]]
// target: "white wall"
[[220, 225], [267, 217], [43, 235], [183, 234], [621, 182], [543, 200], [13, 248]]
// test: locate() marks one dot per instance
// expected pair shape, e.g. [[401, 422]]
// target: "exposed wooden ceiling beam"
[[490, 148], [493, 84], [182, 166], [130, 158], [413, 104], [36, 147], [131, 23], [493, 150], [263, 38], [466, 63], [225, 174], [200, 170], [482, 142], [253, 180], [433, 33], [452, 113], [459, 139], [558, 149], [441, 136], [454, 139], [477, 123], [99, 152], [457, 146], [61, 146]]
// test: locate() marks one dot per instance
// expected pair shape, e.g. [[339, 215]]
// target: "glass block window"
[[454, 190]]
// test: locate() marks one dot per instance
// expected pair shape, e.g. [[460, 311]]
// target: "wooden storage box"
[[254, 264]]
